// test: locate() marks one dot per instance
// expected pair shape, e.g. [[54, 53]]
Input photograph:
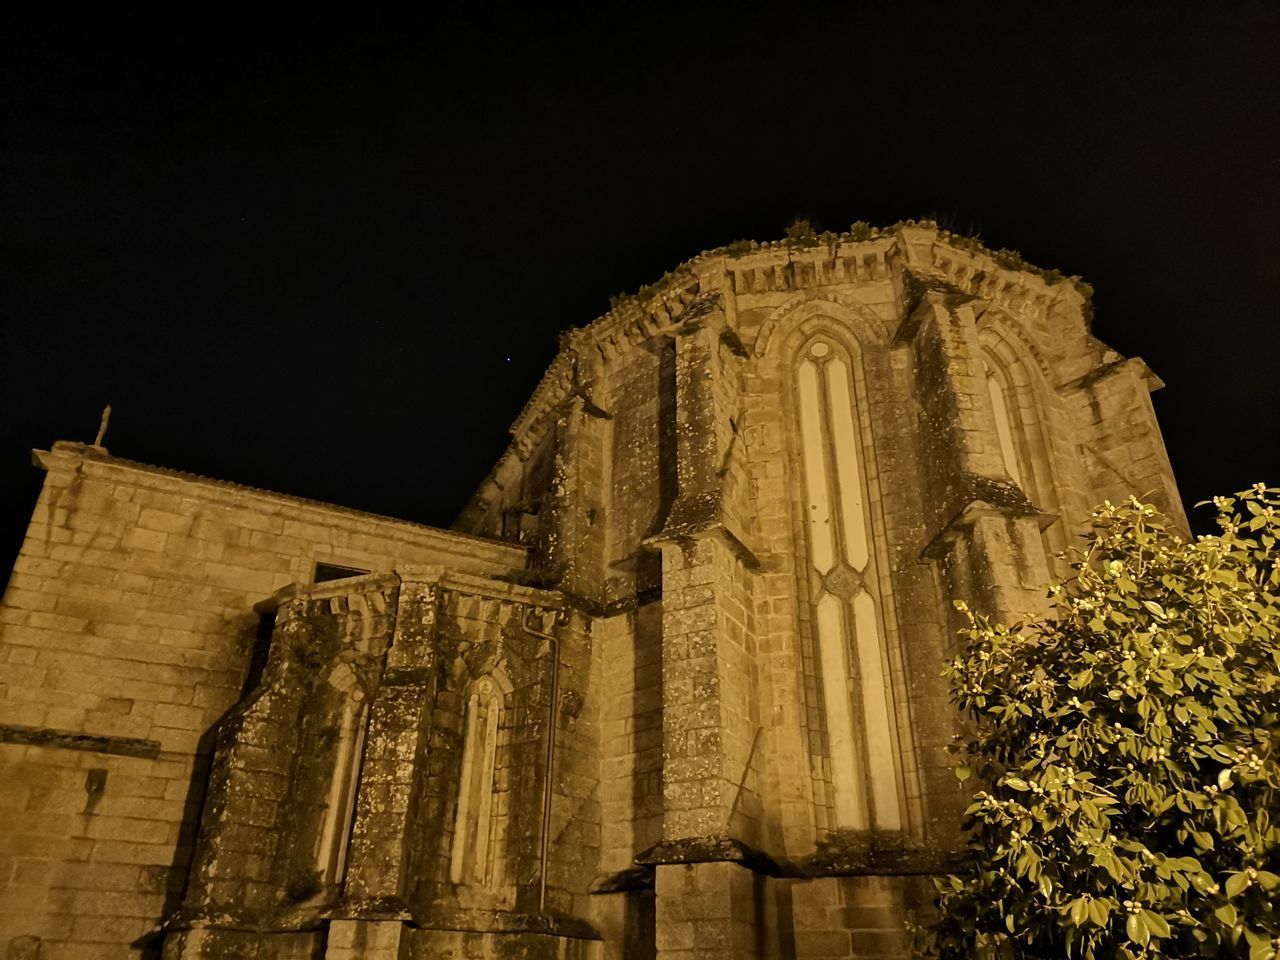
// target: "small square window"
[[331, 571]]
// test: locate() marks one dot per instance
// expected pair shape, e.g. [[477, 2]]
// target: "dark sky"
[[331, 254]]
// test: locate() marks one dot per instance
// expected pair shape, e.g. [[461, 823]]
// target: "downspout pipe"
[[549, 782]]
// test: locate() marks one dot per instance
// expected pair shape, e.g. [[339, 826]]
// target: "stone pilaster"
[[712, 910], [387, 810], [367, 940], [710, 677], [700, 422], [994, 561], [707, 699], [572, 538], [712, 767]]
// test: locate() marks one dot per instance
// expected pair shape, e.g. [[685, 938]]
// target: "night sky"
[[331, 254]]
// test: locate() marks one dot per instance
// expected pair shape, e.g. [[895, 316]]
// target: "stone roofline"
[[1000, 277], [70, 454]]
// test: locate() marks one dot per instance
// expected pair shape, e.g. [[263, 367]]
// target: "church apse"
[[672, 688]]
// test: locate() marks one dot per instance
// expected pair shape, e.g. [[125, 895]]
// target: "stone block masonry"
[[126, 632], [674, 691]]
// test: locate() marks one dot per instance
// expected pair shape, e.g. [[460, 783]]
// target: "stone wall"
[[738, 855], [126, 632], [660, 617], [406, 651]]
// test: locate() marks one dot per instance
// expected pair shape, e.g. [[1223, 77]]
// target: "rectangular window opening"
[[332, 571], [260, 651]]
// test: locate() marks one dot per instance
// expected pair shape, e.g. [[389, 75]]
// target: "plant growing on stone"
[[859, 230], [801, 233], [1127, 749]]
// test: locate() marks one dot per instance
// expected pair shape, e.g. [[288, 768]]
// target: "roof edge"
[[89, 453]]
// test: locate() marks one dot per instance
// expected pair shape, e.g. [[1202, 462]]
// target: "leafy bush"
[[1128, 747]]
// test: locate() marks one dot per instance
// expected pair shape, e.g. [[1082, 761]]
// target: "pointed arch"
[[847, 620], [475, 857], [1020, 387], [801, 310]]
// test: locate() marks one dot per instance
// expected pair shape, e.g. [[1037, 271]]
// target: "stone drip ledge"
[[71, 740], [839, 855]]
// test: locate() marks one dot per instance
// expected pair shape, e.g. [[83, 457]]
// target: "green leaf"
[[1156, 924], [1236, 883], [1112, 735], [1136, 929]]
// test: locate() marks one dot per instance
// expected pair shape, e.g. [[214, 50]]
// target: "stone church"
[[670, 687]]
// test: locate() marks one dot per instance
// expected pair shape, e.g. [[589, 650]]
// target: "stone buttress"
[[775, 473], [673, 687]]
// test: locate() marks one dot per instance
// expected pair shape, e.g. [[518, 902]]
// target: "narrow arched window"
[[849, 632], [1005, 427], [335, 834], [474, 830]]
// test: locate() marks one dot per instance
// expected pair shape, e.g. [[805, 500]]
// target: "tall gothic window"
[[846, 606], [475, 825]]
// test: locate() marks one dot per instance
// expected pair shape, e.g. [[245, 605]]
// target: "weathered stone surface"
[[691, 707]]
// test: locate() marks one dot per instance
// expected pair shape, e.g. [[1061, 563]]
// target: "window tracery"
[[852, 657]]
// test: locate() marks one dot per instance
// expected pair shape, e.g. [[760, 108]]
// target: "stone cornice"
[[781, 267], [745, 269]]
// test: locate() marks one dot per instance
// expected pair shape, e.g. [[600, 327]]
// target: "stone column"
[[985, 531]]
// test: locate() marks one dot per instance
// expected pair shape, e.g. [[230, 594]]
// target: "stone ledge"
[[844, 854], [88, 742], [983, 497], [311, 917]]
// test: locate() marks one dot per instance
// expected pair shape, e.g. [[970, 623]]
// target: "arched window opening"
[[852, 657], [475, 830], [1022, 404], [1005, 428], [335, 832]]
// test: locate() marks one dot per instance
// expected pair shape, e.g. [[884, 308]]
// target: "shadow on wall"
[[151, 943]]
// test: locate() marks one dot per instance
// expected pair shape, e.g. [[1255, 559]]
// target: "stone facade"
[[672, 689]]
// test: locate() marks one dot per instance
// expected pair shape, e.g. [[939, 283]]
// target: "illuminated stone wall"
[[126, 633], [738, 510]]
